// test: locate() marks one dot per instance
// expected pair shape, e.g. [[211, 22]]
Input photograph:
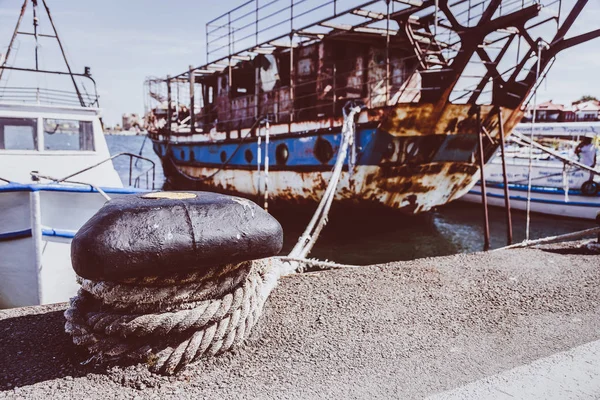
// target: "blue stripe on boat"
[[25, 233], [15, 235], [536, 200], [37, 187], [535, 189], [300, 149], [63, 233]]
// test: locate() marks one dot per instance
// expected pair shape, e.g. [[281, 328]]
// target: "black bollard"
[[167, 232], [168, 278]]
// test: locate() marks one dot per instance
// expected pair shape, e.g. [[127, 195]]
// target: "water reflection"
[[369, 238]]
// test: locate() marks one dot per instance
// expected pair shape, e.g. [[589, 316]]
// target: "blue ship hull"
[[412, 173]]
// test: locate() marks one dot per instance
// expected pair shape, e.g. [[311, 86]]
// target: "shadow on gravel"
[[35, 348], [583, 251]]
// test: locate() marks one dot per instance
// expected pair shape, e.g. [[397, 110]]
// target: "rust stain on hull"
[[423, 119], [412, 188]]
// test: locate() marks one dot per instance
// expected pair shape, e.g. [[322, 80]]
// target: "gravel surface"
[[400, 330]]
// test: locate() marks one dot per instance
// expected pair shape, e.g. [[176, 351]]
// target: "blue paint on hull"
[[390, 171], [302, 150]]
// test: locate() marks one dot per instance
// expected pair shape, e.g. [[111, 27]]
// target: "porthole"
[[192, 155], [223, 156], [248, 156], [281, 154], [323, 150], [182, 155], [389, 150]]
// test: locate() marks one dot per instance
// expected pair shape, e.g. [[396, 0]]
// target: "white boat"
[[40, 211], [556, 186], [55, 173]]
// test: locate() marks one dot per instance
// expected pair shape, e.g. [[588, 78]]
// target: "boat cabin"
[[54, 142]]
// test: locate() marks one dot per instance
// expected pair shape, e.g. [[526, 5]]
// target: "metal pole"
[[266, 165], [130, 169], [257, 84], [23, 8], [207, 42], [35, 34], [530, 166], [486, 222], [35, 212], [62, 50], [387, 55], [229, 79], [435, 18], [192, 101], [292, 59], [169, 112], [509, 233], [334, 88], [292, 76], [258, 157]]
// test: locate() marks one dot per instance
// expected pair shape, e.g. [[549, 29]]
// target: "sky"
[[125, 41]]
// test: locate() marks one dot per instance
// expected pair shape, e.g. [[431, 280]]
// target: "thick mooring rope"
[[319, 219], [172, 321]]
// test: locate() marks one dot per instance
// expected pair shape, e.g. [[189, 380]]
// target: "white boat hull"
[[543, 200], [37, 224]]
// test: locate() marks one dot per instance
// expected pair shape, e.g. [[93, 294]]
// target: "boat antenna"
[[14, 36], [37, 35]]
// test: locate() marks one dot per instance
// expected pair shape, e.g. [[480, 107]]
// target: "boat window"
[[18, 133], [68, 134]]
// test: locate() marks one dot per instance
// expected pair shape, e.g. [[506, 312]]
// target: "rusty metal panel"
[[242, 112], [415, 188], [222, 105], [422, 119], [307, 62], [376, 78]]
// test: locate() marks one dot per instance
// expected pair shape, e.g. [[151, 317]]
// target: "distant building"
[[587, 110], [131, 121], [547, 112], [553, 112]]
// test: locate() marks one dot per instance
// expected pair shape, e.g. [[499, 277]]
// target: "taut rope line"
[[308, 239]]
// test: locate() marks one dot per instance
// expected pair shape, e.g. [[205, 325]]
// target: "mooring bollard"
[[167, 278]]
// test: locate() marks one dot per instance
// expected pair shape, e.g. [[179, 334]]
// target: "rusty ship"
[[439, 84]]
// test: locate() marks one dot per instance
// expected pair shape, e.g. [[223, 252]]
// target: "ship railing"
[[248, 25], [135, 181], [46, 96], [372, 92], [81, 96], [254, 22], [439, 43]]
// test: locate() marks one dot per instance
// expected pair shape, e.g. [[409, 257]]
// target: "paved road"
[[571, 374], [402, 330]]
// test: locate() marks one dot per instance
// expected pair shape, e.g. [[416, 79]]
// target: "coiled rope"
[[171, 321]]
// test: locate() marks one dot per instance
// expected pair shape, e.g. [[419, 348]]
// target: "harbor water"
[[356, 237]]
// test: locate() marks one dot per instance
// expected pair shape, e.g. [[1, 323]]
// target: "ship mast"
[[37, 35]]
